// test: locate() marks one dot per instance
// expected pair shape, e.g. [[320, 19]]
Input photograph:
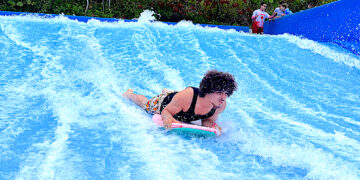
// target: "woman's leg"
[[138, 99]]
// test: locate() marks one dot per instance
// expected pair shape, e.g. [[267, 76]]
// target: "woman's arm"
[[210, 122], [180, 101]]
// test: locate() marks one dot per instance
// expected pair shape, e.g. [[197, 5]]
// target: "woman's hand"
[[168, 123], [218, 128]]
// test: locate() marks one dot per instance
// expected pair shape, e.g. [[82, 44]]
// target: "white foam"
[[350, 146], [293, 104], [49, 155], [345, 58], [164, 156], [319, 164], [146, 16], [283, 155], [149, 53]]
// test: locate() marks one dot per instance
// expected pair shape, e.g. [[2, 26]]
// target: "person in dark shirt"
[[190, 104], [311, 5]]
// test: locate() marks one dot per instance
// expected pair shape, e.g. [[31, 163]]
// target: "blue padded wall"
[[337, 22]]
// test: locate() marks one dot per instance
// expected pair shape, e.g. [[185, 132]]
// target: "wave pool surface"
[[295, 115]]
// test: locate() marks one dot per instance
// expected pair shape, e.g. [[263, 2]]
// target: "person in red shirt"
[[258, 18]]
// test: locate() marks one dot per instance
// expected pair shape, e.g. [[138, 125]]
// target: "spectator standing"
[[258, 18], [282, 10], [287, 10], [310, 5], [277, 10]]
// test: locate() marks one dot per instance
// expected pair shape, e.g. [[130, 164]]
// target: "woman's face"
[[218, 98]]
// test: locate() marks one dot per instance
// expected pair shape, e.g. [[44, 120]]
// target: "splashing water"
[[295, 115], [147, 16]]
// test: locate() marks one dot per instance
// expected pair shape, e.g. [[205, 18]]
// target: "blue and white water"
[[295, 115]]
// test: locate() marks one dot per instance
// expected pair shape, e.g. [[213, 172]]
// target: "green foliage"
[[226, 12]]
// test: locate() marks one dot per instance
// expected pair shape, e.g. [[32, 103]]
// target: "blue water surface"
[[295, 115]]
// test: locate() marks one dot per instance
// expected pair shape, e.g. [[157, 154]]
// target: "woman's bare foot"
[[128, 93], [138, 99]]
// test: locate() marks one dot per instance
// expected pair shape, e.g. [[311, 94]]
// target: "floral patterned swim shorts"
[[153, 105]]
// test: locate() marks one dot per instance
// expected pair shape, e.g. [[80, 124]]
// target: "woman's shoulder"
[[185, 96], [187, 91]]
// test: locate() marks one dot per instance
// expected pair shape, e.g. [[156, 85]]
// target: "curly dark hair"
[[284, 5], [216, 81]]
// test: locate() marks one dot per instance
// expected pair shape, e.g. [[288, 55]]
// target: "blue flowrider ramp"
[[337, 22]]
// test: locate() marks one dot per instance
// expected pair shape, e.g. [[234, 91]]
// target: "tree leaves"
[[11, 3], [20, 4]]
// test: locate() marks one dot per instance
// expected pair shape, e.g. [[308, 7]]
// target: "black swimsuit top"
[[190, 115]]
